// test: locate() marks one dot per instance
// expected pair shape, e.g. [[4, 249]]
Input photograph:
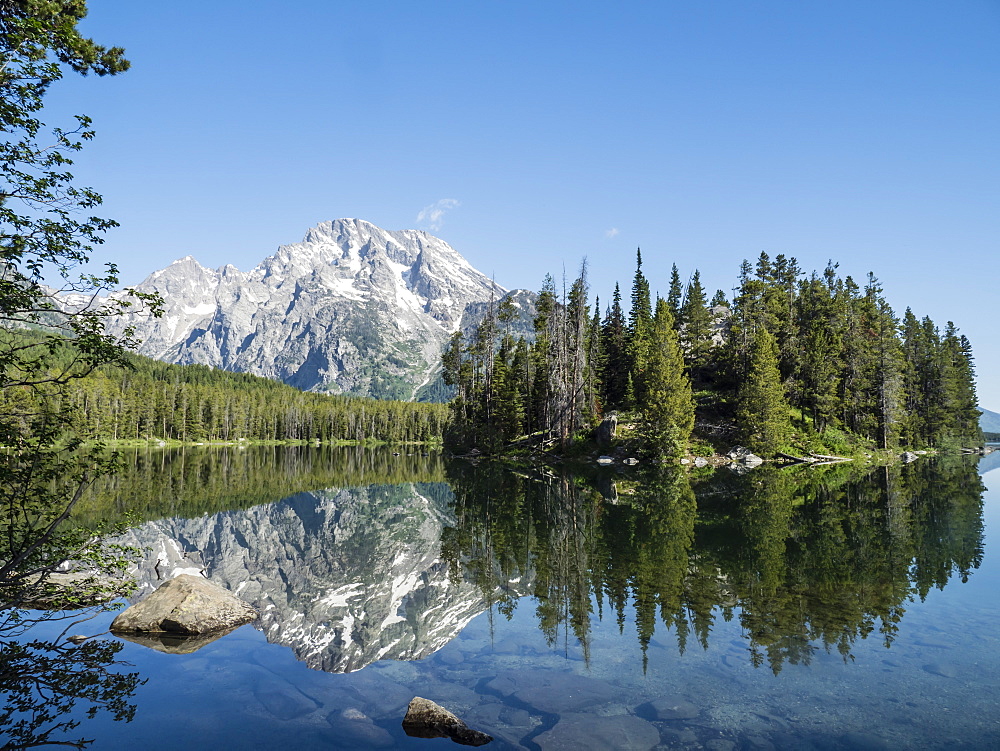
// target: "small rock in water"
[[943, 670], [356, 728], [670, 708], [683, 735], [425, 719]]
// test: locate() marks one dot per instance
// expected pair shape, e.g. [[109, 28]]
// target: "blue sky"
[[531, 134]]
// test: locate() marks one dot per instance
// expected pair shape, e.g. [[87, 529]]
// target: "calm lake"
[[811, 608]]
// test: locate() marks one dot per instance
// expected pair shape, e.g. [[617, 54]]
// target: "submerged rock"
[[553, 693], [284, 701], [187, 605], [669, 708], [358, 729], [575, 731], [425, 719]]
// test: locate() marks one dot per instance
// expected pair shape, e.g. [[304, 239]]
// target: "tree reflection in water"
[[807, 559], [42, 683]]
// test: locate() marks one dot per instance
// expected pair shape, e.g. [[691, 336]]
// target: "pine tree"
[[762, 411], [640, 323], [959, 388], [668, 409], [675, 294], [889, 376], [615, 360], [912, 429], [695, 328], [821, 348]]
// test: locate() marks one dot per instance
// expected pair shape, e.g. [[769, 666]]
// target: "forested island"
[[793, 363]]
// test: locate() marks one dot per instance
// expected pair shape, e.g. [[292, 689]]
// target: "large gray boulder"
[[744, 456], [186, 605], [425, 719]]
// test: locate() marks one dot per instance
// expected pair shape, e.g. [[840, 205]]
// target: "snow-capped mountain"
[[352, 308], [344, 577]]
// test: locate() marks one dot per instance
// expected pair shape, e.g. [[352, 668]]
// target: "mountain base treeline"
[[152, 400]]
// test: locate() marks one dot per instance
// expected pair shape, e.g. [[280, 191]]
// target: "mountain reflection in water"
[[806, 559], [609, 604]]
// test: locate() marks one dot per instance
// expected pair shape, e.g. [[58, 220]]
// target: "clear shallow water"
[[801, 661]]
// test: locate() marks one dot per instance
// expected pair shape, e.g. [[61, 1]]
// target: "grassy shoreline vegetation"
[[794, 364]]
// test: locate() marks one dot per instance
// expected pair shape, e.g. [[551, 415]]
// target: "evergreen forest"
[[793, 362], [146, 399]]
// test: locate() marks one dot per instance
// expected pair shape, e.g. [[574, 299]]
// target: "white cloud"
[[613, 232], [432, 216]]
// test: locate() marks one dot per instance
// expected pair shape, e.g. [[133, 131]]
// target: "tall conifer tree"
[[695, 327], [615, 359], [640, 323], [762, 412], [675, 294], [668, 409]]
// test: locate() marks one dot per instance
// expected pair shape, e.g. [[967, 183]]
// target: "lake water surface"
[[785, 609]]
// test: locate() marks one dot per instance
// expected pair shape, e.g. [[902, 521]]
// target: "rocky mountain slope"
[[351, 309], [989, 421]]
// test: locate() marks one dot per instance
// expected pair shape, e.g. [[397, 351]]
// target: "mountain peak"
[[352, 308]]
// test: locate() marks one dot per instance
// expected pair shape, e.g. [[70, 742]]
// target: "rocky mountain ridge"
[[353, 308], [989, 421]]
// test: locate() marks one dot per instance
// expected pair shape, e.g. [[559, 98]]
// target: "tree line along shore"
[[791, 363]]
